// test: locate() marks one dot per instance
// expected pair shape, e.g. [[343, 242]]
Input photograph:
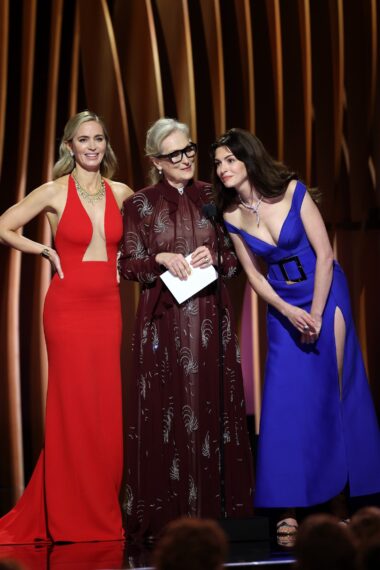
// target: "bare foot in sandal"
[[287, 532]]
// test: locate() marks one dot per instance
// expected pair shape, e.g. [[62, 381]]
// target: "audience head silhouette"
[[365, 524], [191, 544], [324, 544], [365, 528]]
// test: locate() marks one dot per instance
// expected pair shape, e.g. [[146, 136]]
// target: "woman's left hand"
[[202, 257], [311, 335]]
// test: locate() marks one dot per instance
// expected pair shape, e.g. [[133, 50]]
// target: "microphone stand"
[[210, 212], [246, 529]]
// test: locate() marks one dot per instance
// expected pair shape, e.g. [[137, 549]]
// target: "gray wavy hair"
[[157, 132]]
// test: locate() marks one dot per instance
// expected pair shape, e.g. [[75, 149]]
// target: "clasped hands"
[[308, 324], [177, 264]]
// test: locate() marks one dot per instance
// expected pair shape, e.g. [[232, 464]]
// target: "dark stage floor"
[[116, 556]]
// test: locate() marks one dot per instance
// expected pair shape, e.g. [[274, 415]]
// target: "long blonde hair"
[[66, 162]]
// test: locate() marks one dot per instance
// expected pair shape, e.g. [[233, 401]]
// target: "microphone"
[[209, 211]]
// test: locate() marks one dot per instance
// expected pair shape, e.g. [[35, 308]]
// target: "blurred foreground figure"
[[191, 544], [323, 543]]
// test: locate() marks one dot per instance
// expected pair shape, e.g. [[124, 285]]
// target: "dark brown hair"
[[269, 176]]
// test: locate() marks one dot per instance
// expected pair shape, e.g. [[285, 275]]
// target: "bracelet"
[[45, 253]]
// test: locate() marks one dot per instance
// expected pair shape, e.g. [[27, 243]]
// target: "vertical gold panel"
[[274, 25], [177, 40], [141, 75], [376, 119], [4, 38], [337, 41], [39, 372], [243, 15], [28, 40], [360, 42], [102, 77], [297, 85], [306, 66], [328, 89], [75, 62], [250, 299], [211, 19]]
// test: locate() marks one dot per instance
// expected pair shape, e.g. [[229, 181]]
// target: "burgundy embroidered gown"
[[73, 492], [172, 416]]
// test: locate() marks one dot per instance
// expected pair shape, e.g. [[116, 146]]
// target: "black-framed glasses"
[[176, 156]]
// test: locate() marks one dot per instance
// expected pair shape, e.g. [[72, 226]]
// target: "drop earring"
[[159, 171]]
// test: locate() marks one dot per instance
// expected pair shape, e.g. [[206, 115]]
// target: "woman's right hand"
[[55, 261], [175, 263], [301, 320]]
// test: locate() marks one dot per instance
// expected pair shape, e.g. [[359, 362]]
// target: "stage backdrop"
[[302, 74]]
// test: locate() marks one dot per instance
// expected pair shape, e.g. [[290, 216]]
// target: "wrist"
[[284, 308], [316, 314], [46, 253]]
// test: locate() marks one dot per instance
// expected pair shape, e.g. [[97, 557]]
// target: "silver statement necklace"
[[253, 208], [90, 198]]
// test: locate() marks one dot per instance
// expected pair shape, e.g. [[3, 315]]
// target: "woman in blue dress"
[[319, 432]]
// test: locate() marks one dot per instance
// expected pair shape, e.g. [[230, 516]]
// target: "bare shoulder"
[[232, 214], [49, 192], [290, 189], [48, 197], [121, 191], [56, 187]]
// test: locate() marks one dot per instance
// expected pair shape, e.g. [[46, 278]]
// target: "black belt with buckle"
[[294, 259]]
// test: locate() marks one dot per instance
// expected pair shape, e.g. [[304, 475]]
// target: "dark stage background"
[[302, 74]]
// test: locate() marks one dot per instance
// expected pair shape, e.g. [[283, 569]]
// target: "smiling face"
[[89, 145], [231, 171], [181, 172]]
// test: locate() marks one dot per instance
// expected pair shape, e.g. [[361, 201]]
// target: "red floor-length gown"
[[73, 492]]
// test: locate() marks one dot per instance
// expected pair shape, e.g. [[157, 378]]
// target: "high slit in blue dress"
[[316, 434]]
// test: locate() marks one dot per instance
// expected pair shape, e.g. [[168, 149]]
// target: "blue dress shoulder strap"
[[299, 194], [232, 229]]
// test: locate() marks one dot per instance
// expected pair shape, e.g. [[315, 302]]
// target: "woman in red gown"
[[73, 492]]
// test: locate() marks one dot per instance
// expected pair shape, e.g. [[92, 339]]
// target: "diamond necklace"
[[90, 198], [254, 209]]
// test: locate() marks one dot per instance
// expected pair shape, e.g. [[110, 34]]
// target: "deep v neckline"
[[91, 223], [87, 214], [274, 245]]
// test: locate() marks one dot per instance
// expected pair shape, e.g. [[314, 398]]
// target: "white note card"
[[198, 279]]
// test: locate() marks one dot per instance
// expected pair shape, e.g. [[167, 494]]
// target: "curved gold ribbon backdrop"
[[302, 74]]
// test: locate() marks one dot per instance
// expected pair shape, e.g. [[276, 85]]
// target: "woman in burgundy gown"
[[73, 492], [173, 403]]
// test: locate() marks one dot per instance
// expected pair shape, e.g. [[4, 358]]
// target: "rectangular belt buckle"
[[295, 259]]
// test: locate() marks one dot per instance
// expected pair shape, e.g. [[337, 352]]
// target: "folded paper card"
[[198, 279]]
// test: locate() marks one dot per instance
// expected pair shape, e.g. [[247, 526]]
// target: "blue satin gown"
[[316, 434]]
